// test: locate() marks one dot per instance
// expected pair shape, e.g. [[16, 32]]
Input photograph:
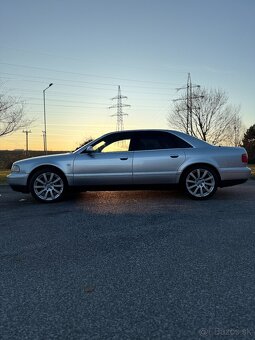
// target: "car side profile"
[[133, 159]]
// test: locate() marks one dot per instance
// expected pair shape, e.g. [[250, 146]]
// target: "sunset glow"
[[87, 50]]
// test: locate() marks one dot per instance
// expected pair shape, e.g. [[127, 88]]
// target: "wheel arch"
[[46, 166], [190, 166]]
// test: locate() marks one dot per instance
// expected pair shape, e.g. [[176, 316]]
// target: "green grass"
[[3, 174]]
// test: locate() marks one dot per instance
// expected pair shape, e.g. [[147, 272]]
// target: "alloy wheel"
[[48, 186], [200, 183]]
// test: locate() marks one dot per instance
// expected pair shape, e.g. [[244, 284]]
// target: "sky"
[[148, 47]]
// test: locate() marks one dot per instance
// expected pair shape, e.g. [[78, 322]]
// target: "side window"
[[120, 145], [113, 143], [176, 142], [153, 140], [147, 143]]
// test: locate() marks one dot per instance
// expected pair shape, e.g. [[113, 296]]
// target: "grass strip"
[[3, 174]]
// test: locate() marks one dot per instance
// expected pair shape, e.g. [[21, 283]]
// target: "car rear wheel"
[[200, 182], [48, 185]]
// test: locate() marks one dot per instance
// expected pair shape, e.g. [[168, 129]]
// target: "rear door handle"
[[123, 158], [174, 156]]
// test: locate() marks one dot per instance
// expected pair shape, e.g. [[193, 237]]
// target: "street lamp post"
[[44, 111]]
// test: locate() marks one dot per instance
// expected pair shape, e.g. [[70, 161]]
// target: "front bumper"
[[18, 181]]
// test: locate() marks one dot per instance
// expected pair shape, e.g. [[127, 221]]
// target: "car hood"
[[43, 159]]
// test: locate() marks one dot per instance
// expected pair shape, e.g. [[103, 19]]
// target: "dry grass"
[[3, 174], [252, 166]]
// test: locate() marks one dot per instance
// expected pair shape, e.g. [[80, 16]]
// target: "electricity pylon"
[[189, 103], [119, 114]]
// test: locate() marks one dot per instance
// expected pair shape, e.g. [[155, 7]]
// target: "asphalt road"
[[128, 265]]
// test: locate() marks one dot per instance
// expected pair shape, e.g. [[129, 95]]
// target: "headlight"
[[15, 168]]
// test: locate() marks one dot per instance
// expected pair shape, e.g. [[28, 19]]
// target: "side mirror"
[[90, 149]]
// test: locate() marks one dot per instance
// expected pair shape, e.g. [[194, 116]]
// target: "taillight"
[[244, 158]]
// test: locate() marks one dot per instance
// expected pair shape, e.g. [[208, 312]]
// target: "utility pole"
[[26, 132], [44, 141], [189, 103], [44, 119], [119, 114]]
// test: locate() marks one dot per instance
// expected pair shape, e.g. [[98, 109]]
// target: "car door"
[[157, 157], [109, 164]]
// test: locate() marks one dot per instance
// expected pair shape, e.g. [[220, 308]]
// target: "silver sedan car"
[[133, 159]]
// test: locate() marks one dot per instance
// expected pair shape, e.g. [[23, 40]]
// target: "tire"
[[48, 185], [200, 182]]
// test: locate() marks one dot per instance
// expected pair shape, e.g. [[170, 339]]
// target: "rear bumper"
[[235, 174], [230, 183]]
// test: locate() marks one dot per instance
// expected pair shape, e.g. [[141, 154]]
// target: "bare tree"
[[238, 129], [210, 118], [249, 143], [12, 117]]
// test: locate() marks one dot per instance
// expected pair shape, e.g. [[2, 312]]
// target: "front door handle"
[[123, 158], [174, 156]]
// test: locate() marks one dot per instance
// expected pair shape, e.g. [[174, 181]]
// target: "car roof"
[[193, 141]]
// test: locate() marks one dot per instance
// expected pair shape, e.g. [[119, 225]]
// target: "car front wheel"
[[48, 186], [200, 182]]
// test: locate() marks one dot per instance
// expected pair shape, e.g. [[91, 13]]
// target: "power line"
[[88, 87], [46, 78], [99, 105], [83, 74], [81, 81], [68, 101]]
